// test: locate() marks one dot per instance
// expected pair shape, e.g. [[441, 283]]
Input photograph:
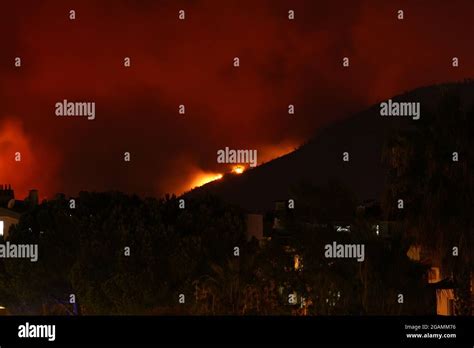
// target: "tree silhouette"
[[437, 189]]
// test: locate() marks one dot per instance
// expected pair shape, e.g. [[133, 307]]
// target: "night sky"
[[190, 62]]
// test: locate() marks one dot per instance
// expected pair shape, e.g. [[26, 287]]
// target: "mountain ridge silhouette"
[[321, 158]]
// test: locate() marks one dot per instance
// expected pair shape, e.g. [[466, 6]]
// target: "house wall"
[[444, 301], [255, 226], [8, 221]]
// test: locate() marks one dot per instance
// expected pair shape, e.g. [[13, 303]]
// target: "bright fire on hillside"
[[265, 153], [205, 178], [238, 169]]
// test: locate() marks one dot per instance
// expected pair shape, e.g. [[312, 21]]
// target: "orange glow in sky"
[[270, 152]]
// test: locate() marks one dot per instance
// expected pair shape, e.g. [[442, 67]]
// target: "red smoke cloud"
[[22, 161], [189, 62]]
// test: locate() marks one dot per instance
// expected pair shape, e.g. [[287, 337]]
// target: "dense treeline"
[[191, 251]]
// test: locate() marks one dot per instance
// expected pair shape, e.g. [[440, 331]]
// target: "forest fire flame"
[[204, 178], [266, 153], [238, 169]]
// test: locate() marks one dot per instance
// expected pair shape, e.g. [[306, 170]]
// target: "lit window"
[[297, 262]]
